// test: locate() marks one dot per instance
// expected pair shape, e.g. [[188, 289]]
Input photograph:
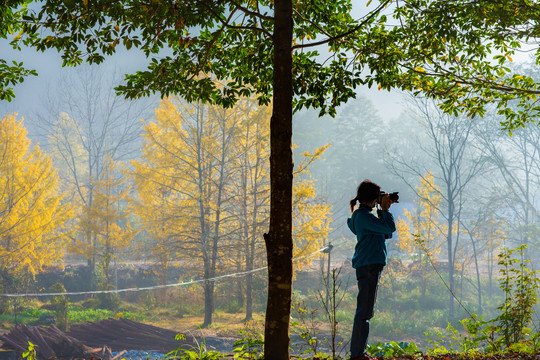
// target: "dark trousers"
[[368, 281]]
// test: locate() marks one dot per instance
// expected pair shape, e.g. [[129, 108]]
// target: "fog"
[[128, 203]]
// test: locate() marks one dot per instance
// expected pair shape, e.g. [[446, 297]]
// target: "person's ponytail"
[[353, 203]]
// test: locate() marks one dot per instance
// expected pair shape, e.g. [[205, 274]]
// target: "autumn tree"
[[251, 196], [311, 217], [311, 214], [421, 233], [424, 220], [453, 51], [186, 168], [109, 226], [206, 168], [33, 217]]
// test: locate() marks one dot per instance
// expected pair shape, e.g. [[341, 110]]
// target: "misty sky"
[[49, 67]]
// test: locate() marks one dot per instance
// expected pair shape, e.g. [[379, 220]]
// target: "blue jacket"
[[370, 234]]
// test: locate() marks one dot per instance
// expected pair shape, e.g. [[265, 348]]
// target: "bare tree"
[[454, 162], [516, 158], [484, 224], [85, 122]]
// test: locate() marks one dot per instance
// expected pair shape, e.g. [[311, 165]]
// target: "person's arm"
[[383, 225], [351, 223]]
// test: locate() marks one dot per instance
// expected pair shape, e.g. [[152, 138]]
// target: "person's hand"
[[386, 202]]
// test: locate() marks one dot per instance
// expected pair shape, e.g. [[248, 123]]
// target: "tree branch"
[[364, 22], [460, 80], [252, 13]]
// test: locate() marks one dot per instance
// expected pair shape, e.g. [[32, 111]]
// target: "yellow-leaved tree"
[[311, 216], [204, 191], [421, 234], [33, 217], [183, 181], [109, 226]]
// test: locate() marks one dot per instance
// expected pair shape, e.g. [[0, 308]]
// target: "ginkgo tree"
[[33, 216], [311, 215], [251, 196], [109, 226], [204, 190], [185, 171], [421, 234]]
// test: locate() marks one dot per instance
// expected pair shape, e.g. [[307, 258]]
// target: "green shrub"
[[392, 349], [82, 316], [520, 287], [78, 317], [60, 306], [109, 300], [91, 303]]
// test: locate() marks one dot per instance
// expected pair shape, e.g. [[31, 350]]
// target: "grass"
[[75, 315], [224, 324]]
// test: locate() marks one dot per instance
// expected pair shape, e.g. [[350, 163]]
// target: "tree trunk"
[[491, 265], [249, 299], [478, 283], [247, 239], [450, 247], [208, 300], [250, 258], [278, 240]]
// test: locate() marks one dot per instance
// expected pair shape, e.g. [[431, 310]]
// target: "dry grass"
[[223, 325]]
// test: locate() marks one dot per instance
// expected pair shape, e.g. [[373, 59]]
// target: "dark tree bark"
[[278, 240]]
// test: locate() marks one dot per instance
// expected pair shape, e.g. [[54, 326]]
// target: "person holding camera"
[[369, 255]]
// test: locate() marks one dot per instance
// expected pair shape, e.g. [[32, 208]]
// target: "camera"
[[393, 196]]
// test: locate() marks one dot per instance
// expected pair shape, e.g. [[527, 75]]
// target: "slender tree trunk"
[[478, 283], [164, 266], [239, 285], [250, 246], [449, 242], [278, 240], [249, 281], [249, 267], [89, 234], [246, 235], [202, 175], [208, 300], [490, 265]]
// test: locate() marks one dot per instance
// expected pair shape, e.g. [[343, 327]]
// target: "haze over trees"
[[452, 51], [203, 191], [88, 130]]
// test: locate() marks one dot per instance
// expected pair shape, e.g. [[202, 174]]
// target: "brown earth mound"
[[126, 334], [93, 339]]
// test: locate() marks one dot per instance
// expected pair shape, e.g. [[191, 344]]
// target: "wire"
[[134, 289], [425, 250]]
